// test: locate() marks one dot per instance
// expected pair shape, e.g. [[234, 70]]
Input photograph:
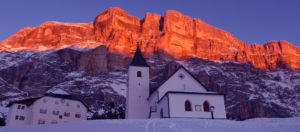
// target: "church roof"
[[138, 59]]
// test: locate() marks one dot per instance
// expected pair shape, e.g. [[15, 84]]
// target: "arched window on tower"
[[139, 74], [188, 106], [206, 106]]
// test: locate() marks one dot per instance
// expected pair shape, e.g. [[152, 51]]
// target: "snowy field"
[[167, 125]]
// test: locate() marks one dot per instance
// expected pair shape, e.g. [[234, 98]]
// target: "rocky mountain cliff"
[[173, 34]]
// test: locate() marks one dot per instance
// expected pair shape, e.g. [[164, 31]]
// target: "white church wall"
[[177, 105], [51, 104], [175, 83], [138, 92], [164, 106], [18, 115], [153, 99]]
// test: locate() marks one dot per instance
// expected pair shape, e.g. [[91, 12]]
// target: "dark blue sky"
[[255, 21]]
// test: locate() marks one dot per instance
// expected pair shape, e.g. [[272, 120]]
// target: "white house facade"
[[49, 109], [179, 96]]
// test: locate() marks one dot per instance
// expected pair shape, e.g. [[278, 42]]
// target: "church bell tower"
[[137, 87]]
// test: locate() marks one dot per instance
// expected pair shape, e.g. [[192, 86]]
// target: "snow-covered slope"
[[167, 125]]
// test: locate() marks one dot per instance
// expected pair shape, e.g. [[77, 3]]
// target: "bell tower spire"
[[138, 59], [138, 87]]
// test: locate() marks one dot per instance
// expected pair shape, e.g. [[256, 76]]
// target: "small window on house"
[[206, 106], [41, 121], [22, 118], [19, 106], [188, 106], [53, 122], [78, 115], [60, 116], [67, 114], [17, 117], [78, 106], [139, 74], [44, 111], [55, 112], [23, 107]]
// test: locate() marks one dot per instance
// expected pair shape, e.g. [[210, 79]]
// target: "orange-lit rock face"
[[52, 35], [174, 33]]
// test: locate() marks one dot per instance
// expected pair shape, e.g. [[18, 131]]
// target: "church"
[[181, 95]]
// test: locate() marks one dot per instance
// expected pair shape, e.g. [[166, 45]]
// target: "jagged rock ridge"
[[173, 34]]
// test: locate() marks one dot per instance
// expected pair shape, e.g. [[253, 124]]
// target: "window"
[[55, 112], [181, 76], [139, 74], [188, 106], [60, 116], [53, 122], [44, 111], [22, 118], [67, 114], [77, 115], [22, 107], [206, 106], [161, 113], [41, 121]]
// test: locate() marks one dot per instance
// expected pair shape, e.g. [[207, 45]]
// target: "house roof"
[[138, 59], [27, 102], [30, 101], [181, 67], [60, 91]]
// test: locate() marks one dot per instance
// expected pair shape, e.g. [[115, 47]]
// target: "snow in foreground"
[[167, 125]]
